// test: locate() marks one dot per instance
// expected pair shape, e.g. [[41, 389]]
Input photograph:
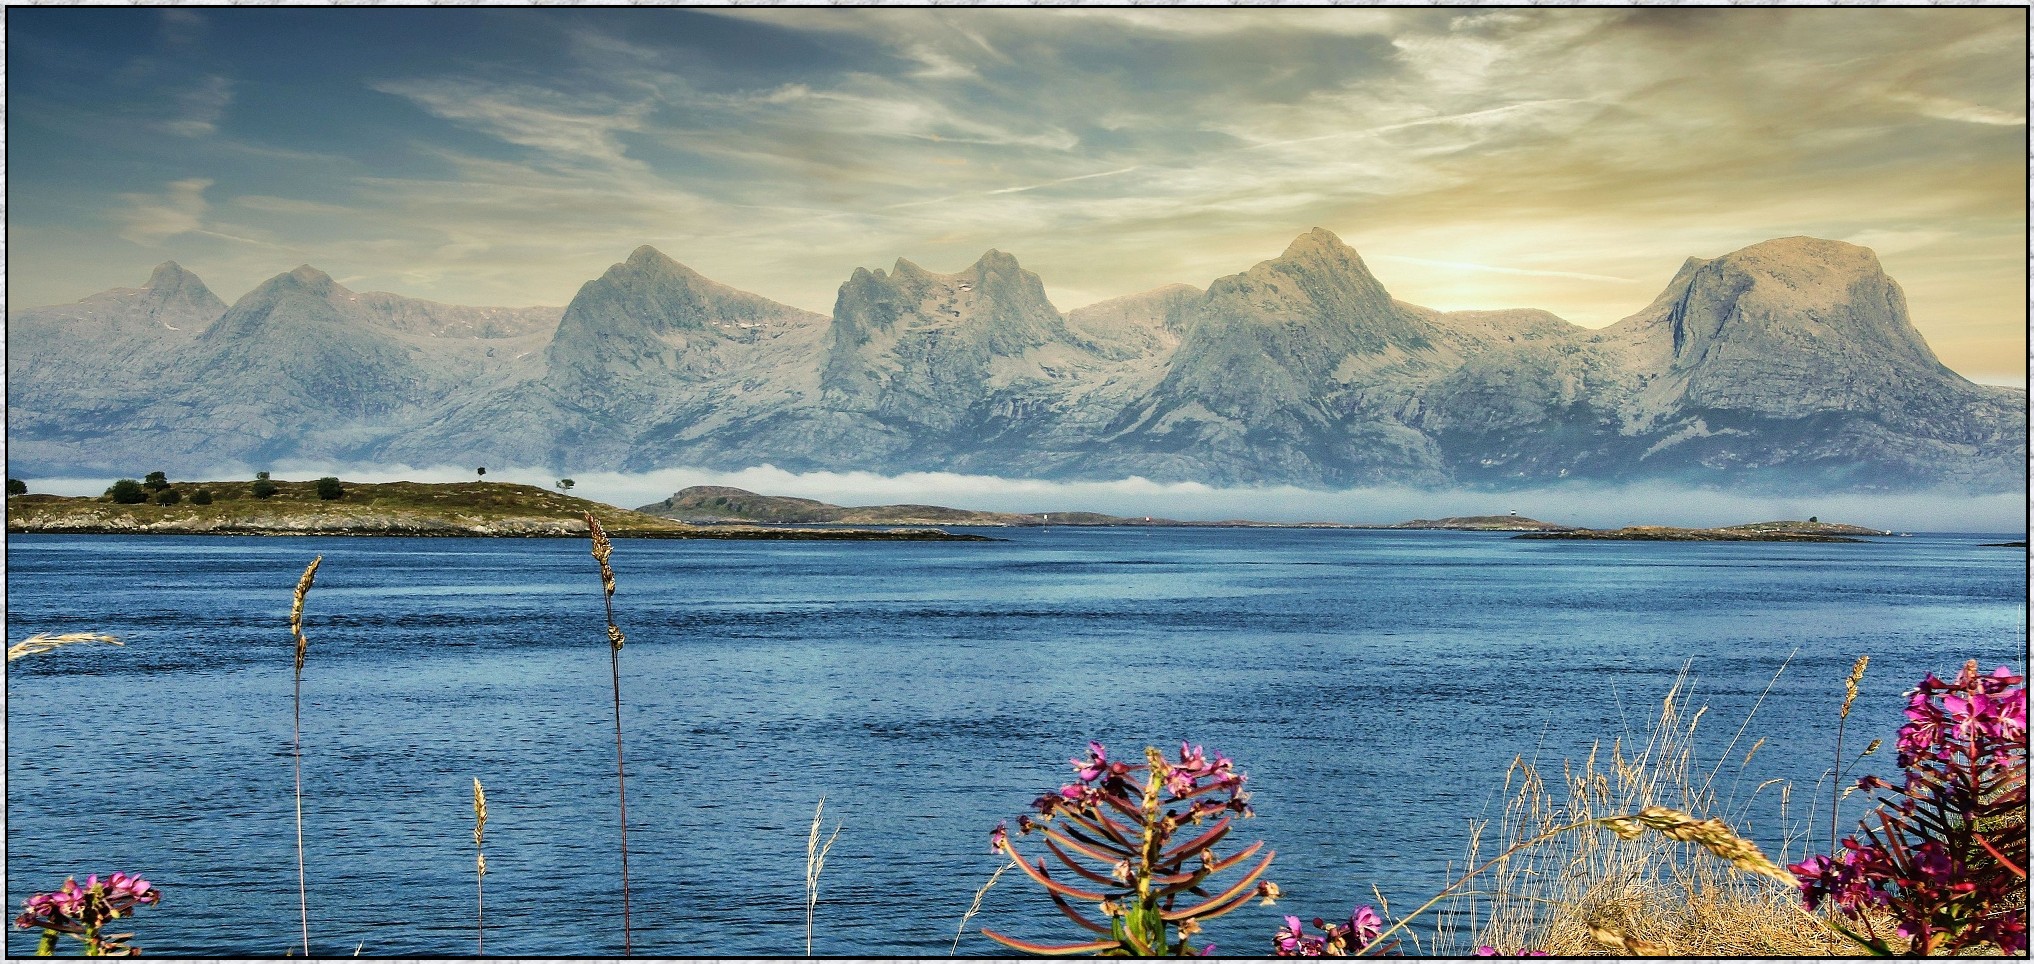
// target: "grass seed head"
[[297, 610], [44, 642], [1857, 671], [601, 550], [1716, 837]]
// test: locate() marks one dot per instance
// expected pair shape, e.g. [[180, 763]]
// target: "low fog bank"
[[1579, 505]]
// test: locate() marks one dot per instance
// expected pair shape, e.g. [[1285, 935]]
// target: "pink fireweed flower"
[[1073, 794], [1293, 941], [1095, 765], [999, 838], [1364, 926], [78, 910]]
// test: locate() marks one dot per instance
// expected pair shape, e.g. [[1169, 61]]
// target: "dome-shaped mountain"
[[1786, 328]]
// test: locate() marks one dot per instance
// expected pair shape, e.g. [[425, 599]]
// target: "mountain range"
[[1787, 364]]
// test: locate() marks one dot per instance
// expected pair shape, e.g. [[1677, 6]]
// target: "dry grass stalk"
[[44, 642], [976, 907], [297, 737], [602, 549], [479, 867], [815, 861], [1654, 891], [1857, 671]]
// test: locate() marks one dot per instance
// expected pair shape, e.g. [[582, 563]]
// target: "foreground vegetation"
[[1620, 860]]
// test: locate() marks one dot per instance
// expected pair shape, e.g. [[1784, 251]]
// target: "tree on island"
[[262, 487], [201, 497], [127, 492], [168, 496], [17, 487], [329, 488], [482, 471], [565, 485], [155, 481]]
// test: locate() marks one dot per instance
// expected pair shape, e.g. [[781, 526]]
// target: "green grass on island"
[[386, 509]]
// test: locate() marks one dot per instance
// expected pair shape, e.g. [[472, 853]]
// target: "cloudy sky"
[[1563, 159]]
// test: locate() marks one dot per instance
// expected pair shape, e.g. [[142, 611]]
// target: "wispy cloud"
[[200, 107], [151, 219], [1949, 109], [554, 123]]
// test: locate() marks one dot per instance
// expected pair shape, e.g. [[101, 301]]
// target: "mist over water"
[[1594, 506]]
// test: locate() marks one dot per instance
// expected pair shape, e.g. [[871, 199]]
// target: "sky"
[[1566, 159]]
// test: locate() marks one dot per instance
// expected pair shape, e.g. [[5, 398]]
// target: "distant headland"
[[276, 508]]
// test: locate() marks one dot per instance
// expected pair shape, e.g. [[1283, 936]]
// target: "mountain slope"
[[95, 362]]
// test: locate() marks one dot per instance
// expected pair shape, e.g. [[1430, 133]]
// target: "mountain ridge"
[[1786, 363]]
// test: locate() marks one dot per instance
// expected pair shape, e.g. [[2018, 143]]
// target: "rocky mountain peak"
[[305, 278], [177, 297], [1317, 243], [1803, 290], [647, 264], [171, 276], [993, 261]]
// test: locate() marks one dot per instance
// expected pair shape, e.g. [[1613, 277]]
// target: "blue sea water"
[[1374, 685]]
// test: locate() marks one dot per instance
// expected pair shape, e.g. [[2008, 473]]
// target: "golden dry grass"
[[1592, 892], [815, 863], [45, 642]]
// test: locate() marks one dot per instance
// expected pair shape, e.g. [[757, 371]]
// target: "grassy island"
[[499, 509], [1811, 531]]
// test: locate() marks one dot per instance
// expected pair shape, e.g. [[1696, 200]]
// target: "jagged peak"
[[304, 274], [301, 278], [648, 261], [172, 282], [997, 260], [170, 273], [1317, 242], [647, 256]]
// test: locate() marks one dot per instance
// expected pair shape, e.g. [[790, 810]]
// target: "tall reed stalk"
[[479, 868], [601, 550], [815, 861], [297, 738], [1857, 671]]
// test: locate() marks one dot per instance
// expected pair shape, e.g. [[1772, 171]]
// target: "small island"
[[1484, 523], [261, 507], [1780, 531]]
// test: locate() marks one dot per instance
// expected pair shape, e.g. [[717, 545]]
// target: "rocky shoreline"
[[1674, 534]]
